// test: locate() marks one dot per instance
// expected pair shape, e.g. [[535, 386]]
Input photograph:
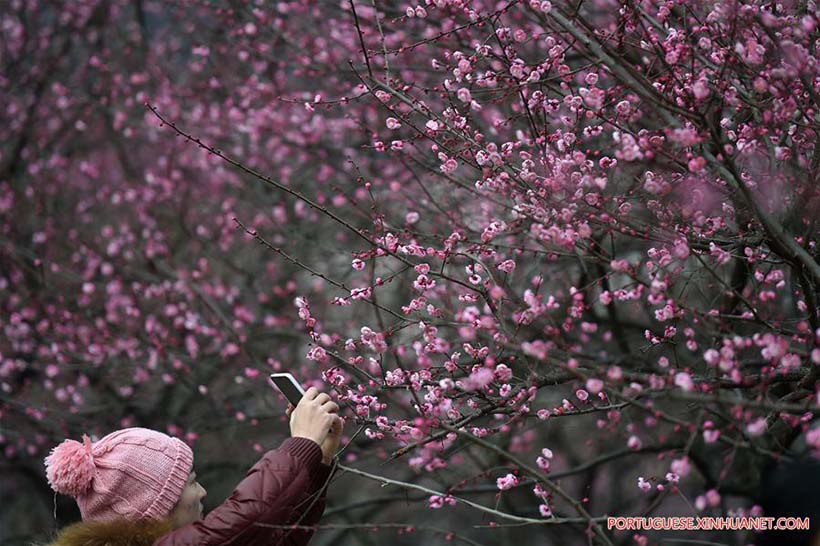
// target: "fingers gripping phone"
[[288, 386]]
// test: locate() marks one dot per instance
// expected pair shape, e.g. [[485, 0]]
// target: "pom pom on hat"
[[70, 467]]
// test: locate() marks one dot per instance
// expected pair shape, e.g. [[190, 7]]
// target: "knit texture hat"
[[133, 473]]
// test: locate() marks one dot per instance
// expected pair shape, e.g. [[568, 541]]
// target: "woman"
[[137, 487]]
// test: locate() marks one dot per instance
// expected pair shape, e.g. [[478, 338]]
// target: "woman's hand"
[[315, 417], [334, 437]]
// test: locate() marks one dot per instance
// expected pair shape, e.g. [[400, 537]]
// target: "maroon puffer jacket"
[[287, 486]]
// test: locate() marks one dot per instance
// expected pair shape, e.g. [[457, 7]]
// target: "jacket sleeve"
[[309, 510], [275, 492]]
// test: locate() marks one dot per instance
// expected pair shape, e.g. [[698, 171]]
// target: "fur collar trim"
[[114, 533]]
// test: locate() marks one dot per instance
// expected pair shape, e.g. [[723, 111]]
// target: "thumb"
[[338, 425], [290, 414]]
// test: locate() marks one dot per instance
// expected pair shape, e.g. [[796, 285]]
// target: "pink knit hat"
[[133, 473]]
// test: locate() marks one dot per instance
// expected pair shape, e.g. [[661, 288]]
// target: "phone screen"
[[286, 386]]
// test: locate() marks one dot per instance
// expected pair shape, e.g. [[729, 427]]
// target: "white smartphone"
[[288, 386]]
